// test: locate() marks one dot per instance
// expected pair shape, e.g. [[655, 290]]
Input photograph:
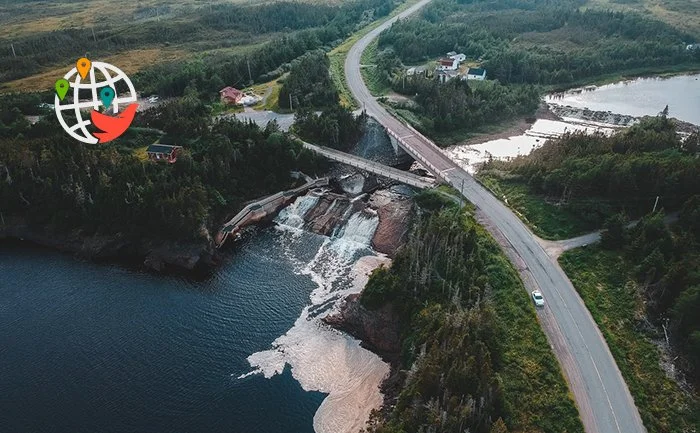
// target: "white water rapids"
[[321, 358]]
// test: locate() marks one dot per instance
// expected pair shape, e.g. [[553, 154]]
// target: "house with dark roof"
[[229, 95], [163, 152], [476, 74]]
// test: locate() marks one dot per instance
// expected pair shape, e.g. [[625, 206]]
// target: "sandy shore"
[[517, 127]]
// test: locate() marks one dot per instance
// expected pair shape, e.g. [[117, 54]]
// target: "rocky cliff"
[[378, 329], [154, 255], [395, 212]]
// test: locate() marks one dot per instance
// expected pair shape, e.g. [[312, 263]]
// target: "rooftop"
[[161, 148]]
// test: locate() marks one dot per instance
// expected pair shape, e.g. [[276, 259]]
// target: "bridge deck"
[[372, 167]]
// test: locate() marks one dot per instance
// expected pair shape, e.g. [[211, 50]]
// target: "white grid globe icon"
[[112, 75]]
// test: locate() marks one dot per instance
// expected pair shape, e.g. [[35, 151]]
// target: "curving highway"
[[603, 399]]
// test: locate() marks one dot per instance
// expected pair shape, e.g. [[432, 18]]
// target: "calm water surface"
[[98, 348], [643, 97]]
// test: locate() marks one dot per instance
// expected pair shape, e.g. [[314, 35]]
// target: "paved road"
[[603, 399]]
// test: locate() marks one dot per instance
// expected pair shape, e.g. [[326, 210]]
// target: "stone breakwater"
[[608, 118]]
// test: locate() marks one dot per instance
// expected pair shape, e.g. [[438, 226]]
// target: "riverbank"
[[511, 128], [158, 256]]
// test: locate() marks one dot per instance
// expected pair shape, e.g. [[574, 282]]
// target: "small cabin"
[[230, 95], [163, 152], [476, 74]]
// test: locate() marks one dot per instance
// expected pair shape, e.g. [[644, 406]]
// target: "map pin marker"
[[83, 65], [107, 96], [62, 86]]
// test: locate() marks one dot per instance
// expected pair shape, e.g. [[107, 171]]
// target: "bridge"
[[263, 208], [372, 167], [601, 394]]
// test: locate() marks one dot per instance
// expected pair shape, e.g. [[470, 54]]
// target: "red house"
[[163, 152], [229, 95]]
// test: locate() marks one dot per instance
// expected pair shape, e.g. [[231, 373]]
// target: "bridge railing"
[[370, 166], [416, 155]]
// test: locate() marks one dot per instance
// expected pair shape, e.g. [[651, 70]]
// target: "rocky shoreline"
[[378, 331], [158, 256]]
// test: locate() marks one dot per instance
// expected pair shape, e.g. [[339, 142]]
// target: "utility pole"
[[13, 50], [461, 195], [93, 35], [290, 103], [655, 203], [250, 76]]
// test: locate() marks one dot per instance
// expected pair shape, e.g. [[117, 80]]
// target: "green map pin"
[[62, 86], [107, 95]]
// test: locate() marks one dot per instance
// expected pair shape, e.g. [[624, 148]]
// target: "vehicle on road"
[[538, 298]]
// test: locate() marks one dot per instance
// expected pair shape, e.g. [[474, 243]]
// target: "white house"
[[447, 64], [459, 57], [476, 74]]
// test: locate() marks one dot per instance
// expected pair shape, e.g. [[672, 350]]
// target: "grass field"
[[22, 18], [375, 84], [270, 92], [545, 219], [130, 62], [602, 279], [683, 14]]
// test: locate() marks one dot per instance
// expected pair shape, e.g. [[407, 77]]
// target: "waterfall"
[[323, 359], [360, 228], [293, 215]]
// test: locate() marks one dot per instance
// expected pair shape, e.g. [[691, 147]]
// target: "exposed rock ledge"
[[395, 213], [378, 330], [156, 256]]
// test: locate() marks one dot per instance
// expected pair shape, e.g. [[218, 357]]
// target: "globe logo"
[[85, 90]]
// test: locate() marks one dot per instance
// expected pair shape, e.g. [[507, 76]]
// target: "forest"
[[666, 269], [467, 334], [282, 31], [595, 176], [459, 104], [539, 42], [641, 284], [50, 180], [309, 84], [272, 59]]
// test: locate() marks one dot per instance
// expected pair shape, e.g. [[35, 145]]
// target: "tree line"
[[458, 104], [52, 181], [309, 84], [218, 26], [596, 176], [538, 42], [453, 334], [665, 268]]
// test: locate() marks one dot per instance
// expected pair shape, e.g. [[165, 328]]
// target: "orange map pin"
[[83, 65]]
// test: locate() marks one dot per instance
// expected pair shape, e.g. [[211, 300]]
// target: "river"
[[639, 97], [89, 347]]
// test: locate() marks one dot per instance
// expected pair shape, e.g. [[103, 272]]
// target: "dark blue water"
[[99, 348]]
